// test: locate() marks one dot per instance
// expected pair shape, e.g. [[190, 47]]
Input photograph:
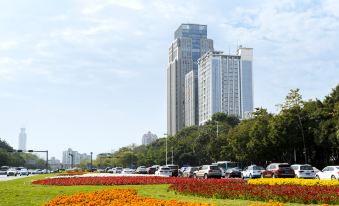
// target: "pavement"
[[5, 178]]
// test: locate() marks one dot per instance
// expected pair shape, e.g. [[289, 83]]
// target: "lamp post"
[[217, 128], [166, 146]]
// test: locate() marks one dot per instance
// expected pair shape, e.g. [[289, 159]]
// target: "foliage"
[[232, 189], [303, 131]]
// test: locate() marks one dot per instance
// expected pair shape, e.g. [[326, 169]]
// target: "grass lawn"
[[21, 192]]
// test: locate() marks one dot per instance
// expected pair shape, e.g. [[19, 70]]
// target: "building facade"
[[72, 158], [223, 84], [22, 139], [246, 74], [189, 45], [148, 138]]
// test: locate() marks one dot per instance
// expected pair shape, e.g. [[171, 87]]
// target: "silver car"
[[303, 171], [208, 171]]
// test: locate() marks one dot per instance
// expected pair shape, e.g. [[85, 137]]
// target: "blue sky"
[[91, 75]]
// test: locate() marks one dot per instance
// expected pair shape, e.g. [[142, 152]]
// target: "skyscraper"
[[246, 75], [22, 139], [148, 138], [225, 84], [189, 45]]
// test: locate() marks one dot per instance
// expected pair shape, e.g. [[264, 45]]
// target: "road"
[[5, 178]]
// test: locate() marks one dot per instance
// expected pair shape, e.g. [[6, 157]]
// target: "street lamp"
[[166, 146], [217, 128]]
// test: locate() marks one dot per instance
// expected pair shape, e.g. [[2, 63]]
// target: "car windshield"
[[257, 168], [306, 167], [173, 166], [337, 168], [214, 167], [165, 168]]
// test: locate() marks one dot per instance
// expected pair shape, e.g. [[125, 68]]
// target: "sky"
[[91, 75]]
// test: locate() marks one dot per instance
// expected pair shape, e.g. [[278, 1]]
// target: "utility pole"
[[166, 146], [217, 128]]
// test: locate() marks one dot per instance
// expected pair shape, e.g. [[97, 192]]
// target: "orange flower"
[[116, 197]]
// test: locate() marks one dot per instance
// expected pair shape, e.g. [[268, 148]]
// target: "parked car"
[[23, 171], [111, 170], [174, 169], [3, 170], [164, 171], [151, 170], [303, 171], [316, 170], [141, 170], [127, 171], [207, 171], [181, 171], [118, 170], [252, 171], [189, 171], [223, 172], [233, 172], [280, 170], [12, 172], [329, 173]]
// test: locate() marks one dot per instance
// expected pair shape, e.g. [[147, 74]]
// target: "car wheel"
[[205, 176], [273, 176], [194, 176], [262, 175], [250, 176], [317, 177], [332, 177]]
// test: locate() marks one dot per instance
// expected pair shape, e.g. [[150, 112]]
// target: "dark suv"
[[276, 170], [174, 169]]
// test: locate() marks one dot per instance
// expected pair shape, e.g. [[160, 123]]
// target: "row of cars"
[[15, 171], [168, 170], [274, 170], [285, 170]]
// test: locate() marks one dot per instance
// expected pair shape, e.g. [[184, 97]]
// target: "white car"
[[127, 171], [164, 171], [303, 171], [23, 172], [252, 171], [329, 173], [12, 172]]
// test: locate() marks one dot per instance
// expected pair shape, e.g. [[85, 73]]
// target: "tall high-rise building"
[[189, 45], [22, 139], [70, 156], [148, 138], [225, 84], [246, 74]]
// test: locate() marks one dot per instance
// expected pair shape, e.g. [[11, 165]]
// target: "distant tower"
[[22, 139]]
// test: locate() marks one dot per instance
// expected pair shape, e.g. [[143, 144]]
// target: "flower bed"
[[126, 197], [218, 188], [241, 190], [293, 181], [122, 180]]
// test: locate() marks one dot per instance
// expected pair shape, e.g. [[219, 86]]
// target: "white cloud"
[[8, 45]]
